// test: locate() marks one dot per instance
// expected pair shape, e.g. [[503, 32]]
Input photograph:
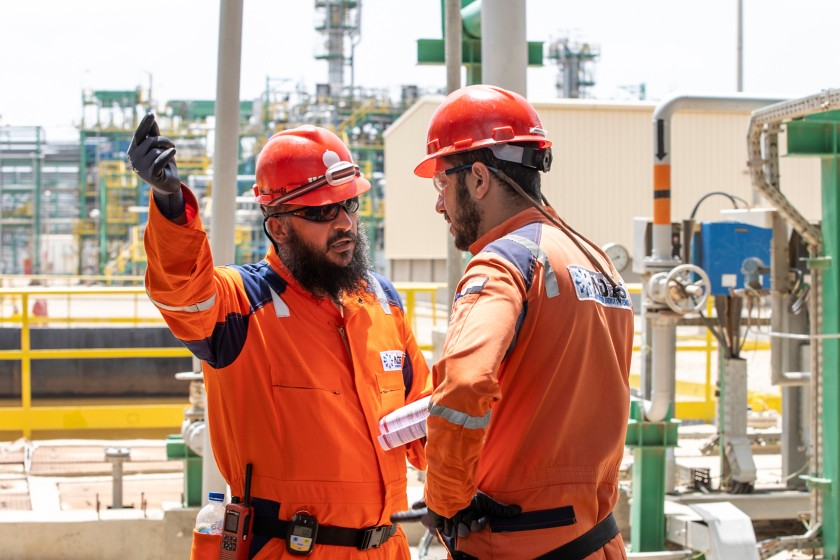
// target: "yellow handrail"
[[17, 303], [18, 306], [26, 418]]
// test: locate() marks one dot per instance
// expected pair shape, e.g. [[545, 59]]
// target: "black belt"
[[363, 539], [577, 549], [592, 540]]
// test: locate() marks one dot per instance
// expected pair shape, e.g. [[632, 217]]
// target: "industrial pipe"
[[225, 155], [504, 48], [663, 345], [663, 335], [454, 57], [662, 152]]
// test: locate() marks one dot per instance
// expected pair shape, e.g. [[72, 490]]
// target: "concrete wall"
[[123, 534], [127, 377]]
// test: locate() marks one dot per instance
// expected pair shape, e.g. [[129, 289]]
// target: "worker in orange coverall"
[[303, 352], [531, 396]]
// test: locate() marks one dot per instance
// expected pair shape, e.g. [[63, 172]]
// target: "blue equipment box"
[[723, 248]]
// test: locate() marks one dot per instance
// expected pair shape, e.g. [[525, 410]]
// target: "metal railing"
[[107, 305], [29, 306]]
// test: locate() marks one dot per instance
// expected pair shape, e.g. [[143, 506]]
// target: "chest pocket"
[[391, 390]]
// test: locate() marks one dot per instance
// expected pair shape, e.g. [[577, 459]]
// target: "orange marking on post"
[[661, 194]]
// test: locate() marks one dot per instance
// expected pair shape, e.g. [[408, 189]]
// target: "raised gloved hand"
[[152, 157], [472, 518]]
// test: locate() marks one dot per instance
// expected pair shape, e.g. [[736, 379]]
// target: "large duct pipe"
[[504, 49], [225, 154]]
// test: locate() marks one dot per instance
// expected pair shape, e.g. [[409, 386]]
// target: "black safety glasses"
[[325, 213]]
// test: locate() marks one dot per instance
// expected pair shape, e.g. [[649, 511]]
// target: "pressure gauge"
[[618, 254]]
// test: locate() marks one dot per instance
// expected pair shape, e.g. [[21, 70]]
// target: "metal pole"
[[453, 50], [225, 154], [504, 49], [117, 456]]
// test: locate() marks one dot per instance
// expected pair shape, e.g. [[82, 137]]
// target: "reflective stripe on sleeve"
[[195, 308], [551, 288], [460, 418]]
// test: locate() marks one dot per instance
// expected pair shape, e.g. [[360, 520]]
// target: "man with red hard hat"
[[302, 353], [528, 416]]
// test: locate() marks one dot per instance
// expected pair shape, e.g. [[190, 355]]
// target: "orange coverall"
[[294, 385], [540, 344]]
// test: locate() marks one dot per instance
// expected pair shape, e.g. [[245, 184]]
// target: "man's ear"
[[278, 228], [483, 178]]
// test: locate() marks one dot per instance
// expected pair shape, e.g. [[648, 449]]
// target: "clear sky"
[[50, 50]]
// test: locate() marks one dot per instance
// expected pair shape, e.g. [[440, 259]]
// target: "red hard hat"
[[307, 165], [477, 117]]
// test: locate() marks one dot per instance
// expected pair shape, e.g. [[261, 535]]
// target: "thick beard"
[[315, 273], [468, 218]]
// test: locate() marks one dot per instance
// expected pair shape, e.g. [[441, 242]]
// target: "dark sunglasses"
[[326, 213]]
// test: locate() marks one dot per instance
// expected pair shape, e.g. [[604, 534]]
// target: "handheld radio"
[[239, 520]]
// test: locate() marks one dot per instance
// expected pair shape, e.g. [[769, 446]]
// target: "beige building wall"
[[601, 179]]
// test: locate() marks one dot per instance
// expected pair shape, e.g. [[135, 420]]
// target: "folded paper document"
[[404, 424]]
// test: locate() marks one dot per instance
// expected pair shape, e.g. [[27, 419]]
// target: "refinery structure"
[[719, 209], [75, 208]]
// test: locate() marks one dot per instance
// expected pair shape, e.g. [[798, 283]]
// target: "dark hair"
[[526, 177]]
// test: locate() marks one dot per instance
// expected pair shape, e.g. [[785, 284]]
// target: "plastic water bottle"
[[212, 516]]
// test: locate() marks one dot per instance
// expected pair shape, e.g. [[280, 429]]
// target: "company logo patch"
[[472, 286], [392, 360], [591, 285]]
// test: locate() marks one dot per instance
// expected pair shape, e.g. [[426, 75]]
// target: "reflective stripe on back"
[[551, 288]]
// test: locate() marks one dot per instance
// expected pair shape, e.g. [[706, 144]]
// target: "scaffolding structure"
[[37, 201]]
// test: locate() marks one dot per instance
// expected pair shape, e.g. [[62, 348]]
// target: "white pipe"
[[454, 56], [730, 103], [226, 147], [663, 337], [504, 49], [663, 365], [225, 154]]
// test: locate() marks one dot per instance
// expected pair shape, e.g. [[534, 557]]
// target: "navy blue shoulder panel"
[[524, 261], [517, 254], [257, 278], [390, 291], [222, 347], [394, 299]]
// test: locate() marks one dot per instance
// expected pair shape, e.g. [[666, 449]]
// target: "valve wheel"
[[684, 294]]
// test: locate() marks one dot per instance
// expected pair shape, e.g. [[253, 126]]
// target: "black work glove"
[[152, 157], [472, 518]]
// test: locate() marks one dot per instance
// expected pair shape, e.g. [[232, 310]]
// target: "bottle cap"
[[217, 496]]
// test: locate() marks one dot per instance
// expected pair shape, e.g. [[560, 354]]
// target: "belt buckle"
[[375, 536]]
